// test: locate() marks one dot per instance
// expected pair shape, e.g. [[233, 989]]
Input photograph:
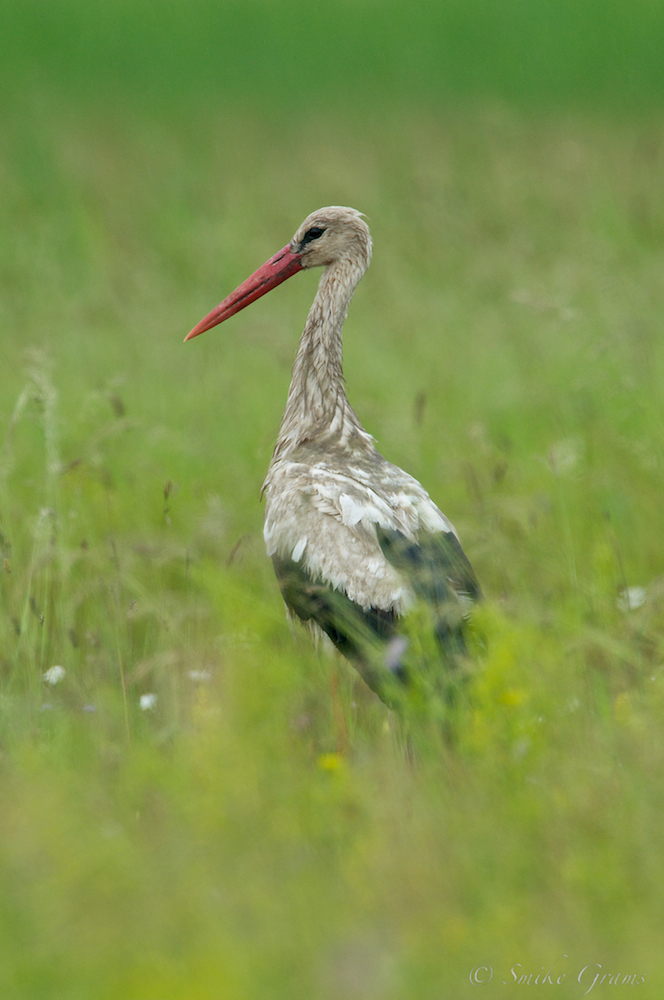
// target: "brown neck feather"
[[317, 406]]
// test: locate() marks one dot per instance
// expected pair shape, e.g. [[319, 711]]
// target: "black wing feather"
[[355, 632], [437, 569]]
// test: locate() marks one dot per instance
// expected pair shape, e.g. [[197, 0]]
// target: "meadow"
[[198, 805]]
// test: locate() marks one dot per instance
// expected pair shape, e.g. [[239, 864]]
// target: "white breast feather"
[[299, 549]]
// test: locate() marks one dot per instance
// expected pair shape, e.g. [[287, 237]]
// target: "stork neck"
[[317, 404]]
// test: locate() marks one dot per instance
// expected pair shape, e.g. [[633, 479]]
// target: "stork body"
[[355, 540]]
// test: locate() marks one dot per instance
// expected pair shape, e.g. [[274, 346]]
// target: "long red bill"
[[272, 273]]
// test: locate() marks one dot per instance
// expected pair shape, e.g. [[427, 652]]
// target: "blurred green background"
[[200, 806], [289, 54]]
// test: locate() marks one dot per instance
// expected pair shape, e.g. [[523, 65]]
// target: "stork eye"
[[312, 234]]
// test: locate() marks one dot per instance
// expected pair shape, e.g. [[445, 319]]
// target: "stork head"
[[331, 234], [327, 236]]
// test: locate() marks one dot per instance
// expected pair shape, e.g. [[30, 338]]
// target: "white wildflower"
[[148, 702], [632, 598], [199, 676], [54, 675]]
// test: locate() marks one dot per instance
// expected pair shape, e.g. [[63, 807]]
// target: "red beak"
[[272, 273]]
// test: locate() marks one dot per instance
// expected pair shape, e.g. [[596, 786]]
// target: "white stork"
[[355, 541]]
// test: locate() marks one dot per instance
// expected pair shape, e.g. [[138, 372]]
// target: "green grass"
[[266, 829], [505, 347]]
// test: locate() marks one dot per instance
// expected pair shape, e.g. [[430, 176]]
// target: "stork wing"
[[433, 565], [353, 549], [439, 573]]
